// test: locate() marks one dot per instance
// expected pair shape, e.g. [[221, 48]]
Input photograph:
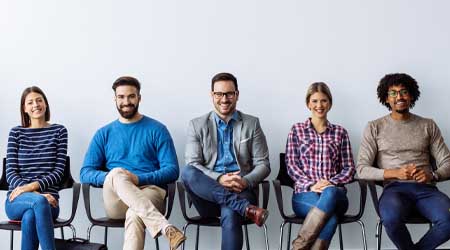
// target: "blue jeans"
[[333, 201], [37, 218], [212, 200], [400, 200]]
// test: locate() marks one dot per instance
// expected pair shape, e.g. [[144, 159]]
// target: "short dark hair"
[[224, 76], [25, 117], [127, 80], [397, 79]]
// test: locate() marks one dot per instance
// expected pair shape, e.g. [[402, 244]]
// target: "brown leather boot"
[[320, 244], [312, 225], [256, 214], [175, 236]]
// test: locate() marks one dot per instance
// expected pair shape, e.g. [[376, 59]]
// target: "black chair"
[[118, 223], [215, 222], [66, 183], [283, 179], [414, 218]]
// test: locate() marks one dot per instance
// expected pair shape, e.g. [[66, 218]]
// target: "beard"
[[130, 113], [402, 111]]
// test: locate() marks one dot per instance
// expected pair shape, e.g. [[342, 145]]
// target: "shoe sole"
[[178, 243]]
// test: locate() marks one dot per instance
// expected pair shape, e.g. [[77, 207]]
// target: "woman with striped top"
[[35, 161], [319, 160]]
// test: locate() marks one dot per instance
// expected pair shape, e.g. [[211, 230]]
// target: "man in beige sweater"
[[397, 149]]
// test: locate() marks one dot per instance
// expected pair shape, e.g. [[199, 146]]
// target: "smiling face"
[[319, 104], [127, 101], [35, 106], [224, 97], [399, 99]]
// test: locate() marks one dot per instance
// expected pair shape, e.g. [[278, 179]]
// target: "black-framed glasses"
[[228, 95], [394, 93]]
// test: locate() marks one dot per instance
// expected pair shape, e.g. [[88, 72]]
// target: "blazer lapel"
[[213, 132], [237, 128]]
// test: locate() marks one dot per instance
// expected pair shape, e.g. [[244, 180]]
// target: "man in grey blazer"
[[226, 157]]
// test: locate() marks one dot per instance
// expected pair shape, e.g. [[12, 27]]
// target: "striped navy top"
[[37, 154]]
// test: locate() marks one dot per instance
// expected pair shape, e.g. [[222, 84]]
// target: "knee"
[[230, 219], [443, 221], [115, 172], [188, 174], [40, 201]]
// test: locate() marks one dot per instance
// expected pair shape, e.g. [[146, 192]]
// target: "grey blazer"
[[249, 141]]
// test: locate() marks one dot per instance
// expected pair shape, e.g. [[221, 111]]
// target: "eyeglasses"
[[394, 93], [228, 95]]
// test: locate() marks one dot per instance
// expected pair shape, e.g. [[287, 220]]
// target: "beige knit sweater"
[[388, 144]]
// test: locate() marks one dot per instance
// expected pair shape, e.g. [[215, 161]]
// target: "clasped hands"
[[319, 186], [32, 187], [412, 172], [233, 182]]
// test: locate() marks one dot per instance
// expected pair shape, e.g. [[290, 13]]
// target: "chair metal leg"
[[74, 231], [247, 244], [157, 243], [363, 230], [289, 236], [281, 235], [106, 236], [266, 237], [197, 237], [184, 232], [11, 238], [89, 232], [341, 242], [62, 232], [378, 235]]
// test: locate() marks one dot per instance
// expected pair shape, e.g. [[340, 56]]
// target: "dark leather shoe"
[[256, 214]]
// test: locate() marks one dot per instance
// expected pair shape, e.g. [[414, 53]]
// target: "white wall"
[[74, 50]]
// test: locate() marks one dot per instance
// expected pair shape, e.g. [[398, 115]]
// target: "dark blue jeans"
[[37, 218], [333, 201], [212, 200], [400, 200]]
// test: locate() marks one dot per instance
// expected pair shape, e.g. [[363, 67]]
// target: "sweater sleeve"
[[168, 171], [94, 160], [440, 152], [367, 156], [13, 177], [55, 176]]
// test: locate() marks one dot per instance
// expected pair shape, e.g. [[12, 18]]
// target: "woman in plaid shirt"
[[319, 160]]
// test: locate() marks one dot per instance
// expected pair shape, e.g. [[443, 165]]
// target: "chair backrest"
[[283, 176], [66, 182], [3, 182]]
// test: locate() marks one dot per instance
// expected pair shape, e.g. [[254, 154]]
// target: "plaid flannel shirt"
[[311, 156]]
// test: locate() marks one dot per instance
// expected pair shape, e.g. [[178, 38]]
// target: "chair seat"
[[108, 222], [211, 221], [6, 225]]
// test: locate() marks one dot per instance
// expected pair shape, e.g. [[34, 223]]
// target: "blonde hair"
[[318, 87]]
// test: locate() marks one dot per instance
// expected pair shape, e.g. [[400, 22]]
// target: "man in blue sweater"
[[134, 158]]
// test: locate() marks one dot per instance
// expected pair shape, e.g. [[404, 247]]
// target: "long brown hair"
[[25, 118]]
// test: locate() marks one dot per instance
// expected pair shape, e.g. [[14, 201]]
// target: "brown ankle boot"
[[175, 236], [312, 225], [256, 214], [320, 244]]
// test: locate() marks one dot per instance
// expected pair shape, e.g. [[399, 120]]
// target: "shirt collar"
[[309, 124], [219, 121]]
